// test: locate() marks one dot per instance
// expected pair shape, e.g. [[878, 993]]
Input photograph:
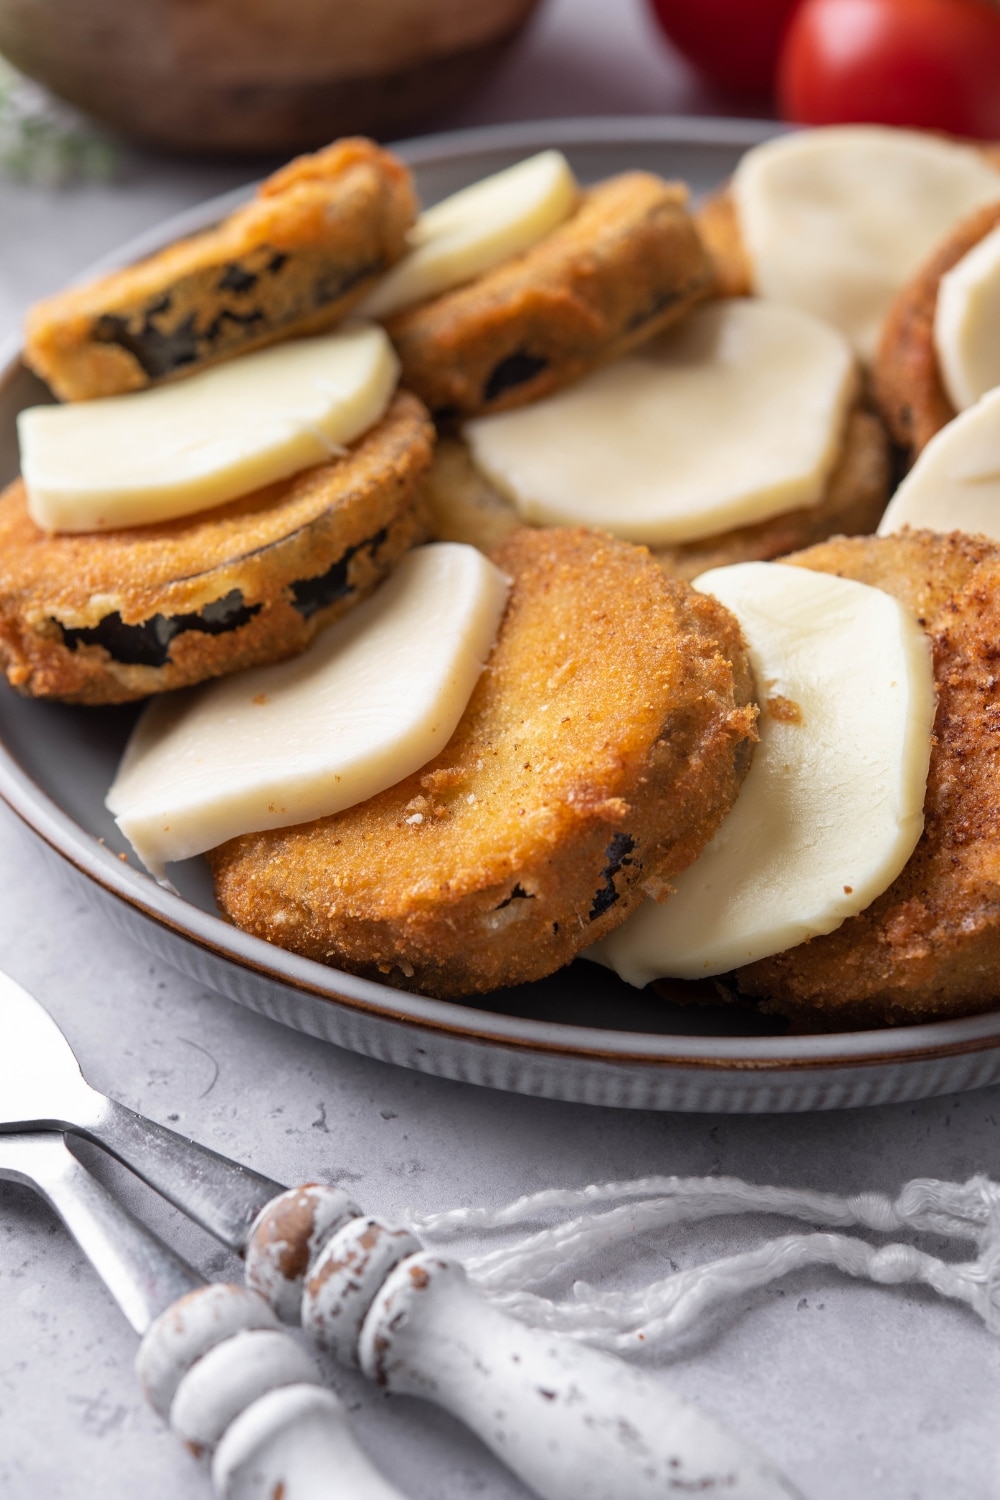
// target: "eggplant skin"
[[114, 616]]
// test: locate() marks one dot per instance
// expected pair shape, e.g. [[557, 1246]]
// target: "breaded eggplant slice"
[[601, 748], [908, 384], [466, 507], [298, 257], [110, 616], [626, 265], [929, 946]]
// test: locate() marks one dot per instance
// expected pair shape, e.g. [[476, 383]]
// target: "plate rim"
[[545, 1039]]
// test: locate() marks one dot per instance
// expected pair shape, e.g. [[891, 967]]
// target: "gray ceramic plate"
[[581, 1035]]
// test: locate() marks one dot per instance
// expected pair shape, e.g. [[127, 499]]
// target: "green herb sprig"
[[43, 142]]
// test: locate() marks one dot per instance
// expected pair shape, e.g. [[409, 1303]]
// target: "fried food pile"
[[615, 719]]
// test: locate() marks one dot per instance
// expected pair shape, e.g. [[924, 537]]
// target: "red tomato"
[[933, 64], [733, 42]]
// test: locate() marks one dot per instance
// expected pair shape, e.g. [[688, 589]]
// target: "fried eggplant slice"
[[112, 616], [929, 946], [602, 746], [908, 384], [626, 265], [301, 253]]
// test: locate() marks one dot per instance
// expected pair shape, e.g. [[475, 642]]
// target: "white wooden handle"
[[233, 1381], [295, 1442], [574, 1423]]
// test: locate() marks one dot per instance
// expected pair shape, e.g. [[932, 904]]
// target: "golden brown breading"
[[465, 506], [293, 261], [626, 265], [929, 946], [908, 384], [717, 223], [103, 618], [600, 750]]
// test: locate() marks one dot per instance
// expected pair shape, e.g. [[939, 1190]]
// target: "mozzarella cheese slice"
[[157, 454], [734, 416], [477, 228], [836, 221], [967, 324], [375, 697], [832, 805], [955, 483]]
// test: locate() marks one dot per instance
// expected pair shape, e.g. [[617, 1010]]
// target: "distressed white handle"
[[574, 1423], [233, 1381], [295, 1443]]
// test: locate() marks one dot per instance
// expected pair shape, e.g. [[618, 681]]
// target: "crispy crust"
[[265, 571], [292, 262], [465, 507], [719, 227], [908, 384], [929, 946], [626, 265], [600, 750]]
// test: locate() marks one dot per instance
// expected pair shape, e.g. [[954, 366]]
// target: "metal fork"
[[573, 1423], [214, 1359]]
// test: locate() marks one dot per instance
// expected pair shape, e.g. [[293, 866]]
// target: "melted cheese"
[[836, 221], [477, 228], [955, 483], [157, 454], [967, 324], [832, 805], [735, 416], [375, 697]]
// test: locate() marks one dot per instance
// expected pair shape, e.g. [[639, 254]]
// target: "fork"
[[214, 1359], [572, 1422]]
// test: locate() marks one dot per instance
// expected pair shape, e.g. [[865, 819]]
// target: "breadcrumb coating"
[[606, 739], [625, 266]]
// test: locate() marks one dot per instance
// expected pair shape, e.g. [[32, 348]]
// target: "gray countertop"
[[854, 1390]]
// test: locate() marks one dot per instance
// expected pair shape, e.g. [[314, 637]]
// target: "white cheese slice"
[[477, 228], [734, 416], [832, 805], [184, 447], [955, 483], [967, 324], [836, 221], [375, 697]]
